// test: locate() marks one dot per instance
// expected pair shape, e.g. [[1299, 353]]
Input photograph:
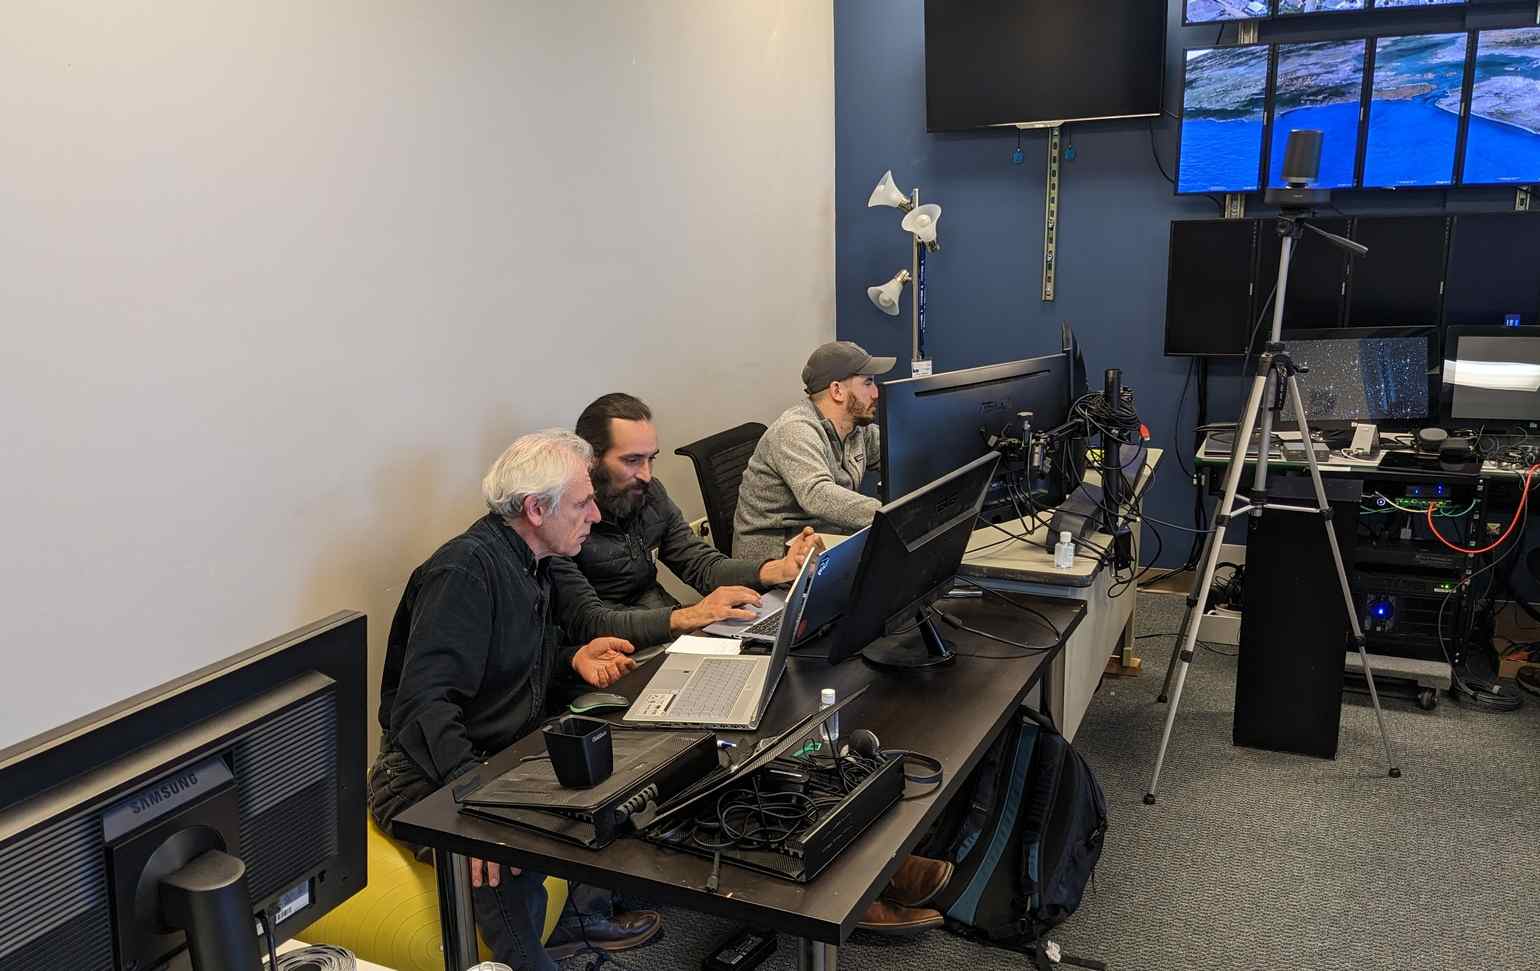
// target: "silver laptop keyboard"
[[713, 691], [767, 627]]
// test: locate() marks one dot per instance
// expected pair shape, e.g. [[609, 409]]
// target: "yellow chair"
[[394, 920]]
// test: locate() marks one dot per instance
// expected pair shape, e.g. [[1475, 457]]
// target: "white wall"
[[280, 278]]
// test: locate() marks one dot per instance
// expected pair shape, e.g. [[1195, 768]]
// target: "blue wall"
[[983, 289]]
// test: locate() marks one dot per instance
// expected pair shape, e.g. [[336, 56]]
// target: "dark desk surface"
[[951, 713]]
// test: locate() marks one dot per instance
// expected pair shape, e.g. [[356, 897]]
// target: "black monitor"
[[1415, 98], [1493, 374], [1209, 276], [163, 825], [1224, 115], [1319, 86], [1401, 281], [913, 549], [1317, 276], [933, 425], [1492, 278], [1502, 146], [1384, 375]]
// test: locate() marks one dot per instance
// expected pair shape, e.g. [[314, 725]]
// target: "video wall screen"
[[1286, 7], [1503, 138], [1414, 110], [1214, 11], [1224, 115], [1320, 86]]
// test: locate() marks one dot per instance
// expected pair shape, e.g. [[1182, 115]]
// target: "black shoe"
[[619, 933]]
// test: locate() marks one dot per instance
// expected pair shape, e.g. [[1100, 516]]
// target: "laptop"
[[832, 580], [721, 692]]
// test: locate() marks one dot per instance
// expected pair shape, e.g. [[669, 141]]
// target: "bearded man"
[[611, 585], [807, 469]]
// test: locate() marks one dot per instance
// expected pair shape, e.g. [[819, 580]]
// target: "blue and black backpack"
[[1024, 834]]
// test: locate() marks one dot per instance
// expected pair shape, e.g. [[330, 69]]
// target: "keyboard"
[[713, 691], [767, 626]]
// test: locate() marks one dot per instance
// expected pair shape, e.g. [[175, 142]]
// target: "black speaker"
[[1294, 627], [1302, 157]]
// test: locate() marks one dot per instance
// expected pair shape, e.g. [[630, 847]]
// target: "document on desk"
[[706, 646]]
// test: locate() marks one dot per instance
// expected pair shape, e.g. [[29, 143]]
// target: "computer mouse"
[[597, 701]]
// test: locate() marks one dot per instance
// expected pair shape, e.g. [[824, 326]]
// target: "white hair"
[[538, 464]]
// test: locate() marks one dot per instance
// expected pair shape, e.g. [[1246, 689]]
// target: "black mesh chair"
[[719, 463]]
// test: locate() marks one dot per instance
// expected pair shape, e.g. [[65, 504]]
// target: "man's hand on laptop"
[[723, 603], [784, 570], [603, 661]]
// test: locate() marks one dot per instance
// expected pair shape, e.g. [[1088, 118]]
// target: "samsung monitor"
[[1210, 270], [1502, 142], [154, 831], [1384, 375], [1493, 374], [912, 552], [1041, 63], [1319, 86], [1215, 11], [1414, 110], [1492, 278], [1288, 7], [1401, 281], [1224, 113], [934, 425]]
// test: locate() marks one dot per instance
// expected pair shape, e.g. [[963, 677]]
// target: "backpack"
[[1024, 835]]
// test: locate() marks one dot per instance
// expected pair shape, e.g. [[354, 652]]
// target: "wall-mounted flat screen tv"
[[1502, 145], [1320, 85], [1224, 112], [1286, 7], [1214, 11], [1041, 63], [1414, 110]]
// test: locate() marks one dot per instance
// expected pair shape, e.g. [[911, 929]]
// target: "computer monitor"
[[913, 549], [1384, 375], [934, 425], [1502, 146], [1319, 86], [1402, 280], [1493, 373], [1209, 275], [1287, 7], [1215, 11], [1414, 110], [1492, 279], [1224, 114], [155, 830]]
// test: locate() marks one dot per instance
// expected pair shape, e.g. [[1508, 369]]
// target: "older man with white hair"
[[469, 663]]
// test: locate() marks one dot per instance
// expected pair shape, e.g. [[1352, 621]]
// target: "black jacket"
[[471, 652], [611, 587]]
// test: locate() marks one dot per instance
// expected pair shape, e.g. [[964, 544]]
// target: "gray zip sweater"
[[802, 474]]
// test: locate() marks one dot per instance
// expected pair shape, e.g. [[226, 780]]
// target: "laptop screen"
[[831, 585]]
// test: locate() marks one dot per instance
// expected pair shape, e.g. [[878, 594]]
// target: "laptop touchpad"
[[668, 680]]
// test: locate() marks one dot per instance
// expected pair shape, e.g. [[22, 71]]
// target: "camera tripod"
[[1274, 382]]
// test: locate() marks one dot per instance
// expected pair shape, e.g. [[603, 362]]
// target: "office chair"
[[719, 463]]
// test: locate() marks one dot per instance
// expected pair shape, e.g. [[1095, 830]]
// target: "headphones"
[[864, 743]]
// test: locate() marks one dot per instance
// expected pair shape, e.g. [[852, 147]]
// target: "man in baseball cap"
[[808, 467]]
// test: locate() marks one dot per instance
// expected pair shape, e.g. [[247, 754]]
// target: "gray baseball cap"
[[838, 360]]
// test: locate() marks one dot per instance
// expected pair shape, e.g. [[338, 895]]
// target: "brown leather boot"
[[917, 881], [885, 918]]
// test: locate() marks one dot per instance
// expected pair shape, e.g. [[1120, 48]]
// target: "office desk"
[[1027, 567], [922, 711]]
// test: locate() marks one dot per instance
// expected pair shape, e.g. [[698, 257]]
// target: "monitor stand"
[[921, 648]]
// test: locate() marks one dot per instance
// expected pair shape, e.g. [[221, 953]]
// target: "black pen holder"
[[581, 749]]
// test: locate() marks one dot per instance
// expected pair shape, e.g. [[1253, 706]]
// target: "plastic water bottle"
[[1064, 552], [826, 699]]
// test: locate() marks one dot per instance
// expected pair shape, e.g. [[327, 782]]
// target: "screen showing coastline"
[[1224, 104], [1211, 11], [1381, 4], [1320, 86], [1503, 141], [1414, 110], [1318, 6]]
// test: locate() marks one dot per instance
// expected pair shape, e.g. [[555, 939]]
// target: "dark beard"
[[615, 506], [861, 421]]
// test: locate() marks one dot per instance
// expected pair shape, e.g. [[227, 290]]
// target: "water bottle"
[[1064, 552], [826, 699]]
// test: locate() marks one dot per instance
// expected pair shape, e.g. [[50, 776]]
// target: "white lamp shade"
[[887, 194], [922, 222], [886, 296]]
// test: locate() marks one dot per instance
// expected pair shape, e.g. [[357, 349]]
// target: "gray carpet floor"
[[1267, 861]]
